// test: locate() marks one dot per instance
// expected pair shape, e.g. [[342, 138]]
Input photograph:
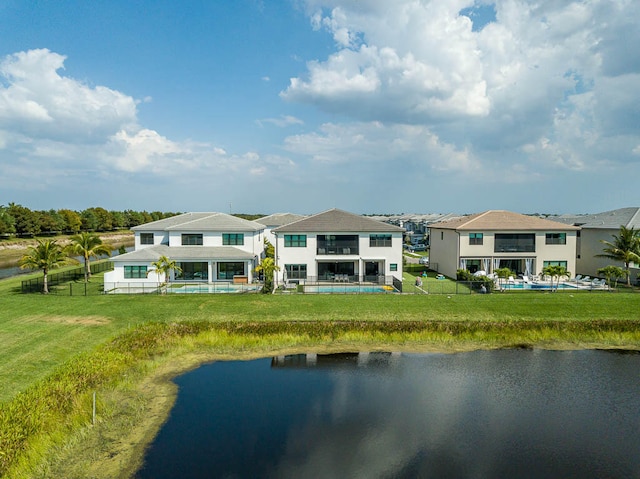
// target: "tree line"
[[21, 221]]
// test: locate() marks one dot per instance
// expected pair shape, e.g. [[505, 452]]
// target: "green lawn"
[[39, 332]]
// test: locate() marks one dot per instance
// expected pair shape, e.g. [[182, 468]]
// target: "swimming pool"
[[349, 289], [539, 286], [215, 288]]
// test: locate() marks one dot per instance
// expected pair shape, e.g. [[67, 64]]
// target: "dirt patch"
[[74, 320]]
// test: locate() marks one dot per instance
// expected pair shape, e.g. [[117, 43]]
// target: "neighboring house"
[[594, 229], [208, 247], [337, 245], [501, 239], [276, 220]]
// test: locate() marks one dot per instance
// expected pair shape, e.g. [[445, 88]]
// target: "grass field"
[[43, 336]]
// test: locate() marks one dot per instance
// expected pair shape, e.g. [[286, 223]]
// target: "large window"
[[295, 241], [146, 238], [337, 244], [233, 239], [556, 238], [515, 243], [193, 271], [229, 270], [135, 272], [192, 239], [296, 271], [475, 238], [379, 240]]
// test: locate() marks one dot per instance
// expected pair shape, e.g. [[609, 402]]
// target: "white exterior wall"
[[590, 246], [253, 242], [443, 251], [307, 255], [159, 237]]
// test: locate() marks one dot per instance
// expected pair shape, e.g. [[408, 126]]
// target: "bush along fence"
[[35, 285]]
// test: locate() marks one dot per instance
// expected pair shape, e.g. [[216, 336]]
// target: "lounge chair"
[[511, 280], [576, 279], [585, 280]]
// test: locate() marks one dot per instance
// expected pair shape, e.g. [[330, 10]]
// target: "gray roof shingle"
[[338, 221], [201, 222]]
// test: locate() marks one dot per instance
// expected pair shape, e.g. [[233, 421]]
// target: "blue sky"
[[304, 105]]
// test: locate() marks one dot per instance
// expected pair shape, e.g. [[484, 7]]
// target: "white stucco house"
[[501, 239], [595, 228], [338, 246], [208, 248]]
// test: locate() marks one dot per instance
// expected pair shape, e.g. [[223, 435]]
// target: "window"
[[337, 244], [475, 238], [296, 271], [379, 240], [229, 270], [146, 238], [193, 271], [554, 263], [295, 241], [556, 238], [135, 272], [515, 243], [192, 239], [233, 239], [393, 266]]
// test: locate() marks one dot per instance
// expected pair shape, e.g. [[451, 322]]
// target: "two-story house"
[[501, 239], [207, 247], [337, 245]]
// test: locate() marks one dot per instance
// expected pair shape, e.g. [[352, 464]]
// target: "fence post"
[[70, 289]]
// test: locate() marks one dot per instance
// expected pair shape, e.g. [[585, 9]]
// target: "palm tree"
[[267, 267], [610, 272], [625, 247], [46, 256], [164, 266], [555, 271], [88, 245]]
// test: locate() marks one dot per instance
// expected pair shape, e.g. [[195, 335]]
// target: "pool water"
[[539, 286], [348, 289], [215, 288]]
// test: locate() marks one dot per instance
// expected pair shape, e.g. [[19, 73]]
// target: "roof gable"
[[338, 221], [500, 220]]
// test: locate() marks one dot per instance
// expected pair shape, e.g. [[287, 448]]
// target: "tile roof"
[[201, 222], [279, 219], [338, 221], [503, 221], [628, 217], [179, 253]]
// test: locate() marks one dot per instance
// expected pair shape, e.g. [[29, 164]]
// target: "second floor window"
[[379, 240], [475, 238], [192, 239], [295, 241], [146, 238], [556, 238], [515, 243], [233, 239]]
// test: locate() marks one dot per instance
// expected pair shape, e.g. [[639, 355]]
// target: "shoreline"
[[155, 393]]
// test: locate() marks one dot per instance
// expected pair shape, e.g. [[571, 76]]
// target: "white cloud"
[[36, 101], [282, 121]]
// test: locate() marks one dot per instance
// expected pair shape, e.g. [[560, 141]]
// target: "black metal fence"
[[54, 280]]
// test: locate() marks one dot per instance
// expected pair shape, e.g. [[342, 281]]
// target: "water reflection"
[[480, 414]]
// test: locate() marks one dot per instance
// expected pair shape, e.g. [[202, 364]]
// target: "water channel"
[[482, 414]]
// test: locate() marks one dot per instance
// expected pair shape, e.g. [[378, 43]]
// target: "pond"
[[483, 414]]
